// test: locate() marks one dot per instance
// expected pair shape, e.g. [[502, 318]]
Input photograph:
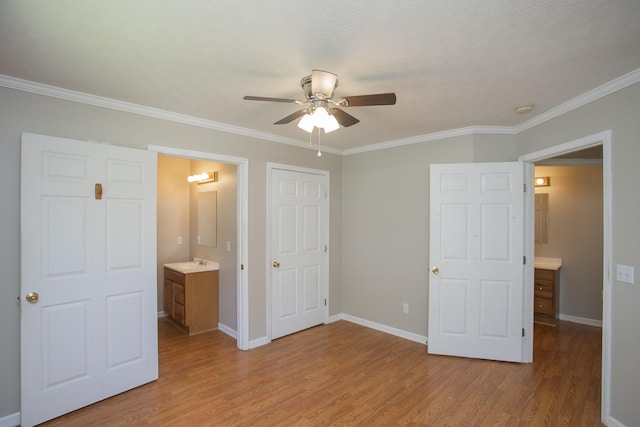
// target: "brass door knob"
[[276, 264], [32, 297], [435, 270]]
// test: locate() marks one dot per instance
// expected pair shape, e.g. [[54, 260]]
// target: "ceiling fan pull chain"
[[319, 152]]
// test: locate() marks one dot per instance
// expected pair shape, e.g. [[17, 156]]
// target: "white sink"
[[187, 267], [546, 263]]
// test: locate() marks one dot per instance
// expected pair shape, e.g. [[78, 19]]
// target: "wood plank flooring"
[[342, 374]]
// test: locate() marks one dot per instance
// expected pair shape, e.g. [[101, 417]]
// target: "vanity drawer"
[[544, 306], [174, 276], [543, 290]]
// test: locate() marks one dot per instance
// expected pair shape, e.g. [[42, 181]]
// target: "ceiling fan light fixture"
[[306, 123], [320, 116], [331, 124]]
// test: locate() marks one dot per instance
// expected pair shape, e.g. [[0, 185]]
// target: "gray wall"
[[385, 222], [619, 112], [575, 234], [26, 112], [226, 188], [174, 209]]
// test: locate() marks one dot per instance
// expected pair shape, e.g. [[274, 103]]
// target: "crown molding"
[[114, 104], [587, 97], [128, 107], [470, 130]]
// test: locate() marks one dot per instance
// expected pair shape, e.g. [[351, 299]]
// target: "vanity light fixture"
[[203, 178], [542, 181]]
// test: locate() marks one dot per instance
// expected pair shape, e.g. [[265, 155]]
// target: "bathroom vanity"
[[546, 292], [191, 295]]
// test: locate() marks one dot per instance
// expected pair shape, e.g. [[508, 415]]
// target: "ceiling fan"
[[321, 109]]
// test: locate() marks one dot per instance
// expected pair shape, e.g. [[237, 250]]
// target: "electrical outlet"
[[179, 240], [624, 273], [405, 308]]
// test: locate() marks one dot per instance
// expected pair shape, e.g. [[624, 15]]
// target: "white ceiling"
[[452, 63]]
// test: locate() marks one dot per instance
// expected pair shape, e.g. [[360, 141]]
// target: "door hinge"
[[326, 194], [241, 266], [524, 260], [325, 248], [523, 332], [325, 302], [524, 187]]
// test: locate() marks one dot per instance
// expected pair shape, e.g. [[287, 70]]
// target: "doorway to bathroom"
[[602, 140], [230, 244]]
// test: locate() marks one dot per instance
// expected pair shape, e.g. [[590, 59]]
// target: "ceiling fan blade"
[[291, 117], [364, 100], [343, 118], [262, 98], [323, 82]]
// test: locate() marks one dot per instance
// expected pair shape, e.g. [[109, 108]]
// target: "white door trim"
[[242, 233], [270, 167], [604, 139]]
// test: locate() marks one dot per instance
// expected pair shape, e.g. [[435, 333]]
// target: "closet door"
[[88, 274]]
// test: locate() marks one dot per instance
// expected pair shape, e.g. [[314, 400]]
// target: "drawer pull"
[[539, 305]]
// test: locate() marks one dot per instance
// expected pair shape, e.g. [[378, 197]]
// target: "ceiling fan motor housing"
[[305, 83]]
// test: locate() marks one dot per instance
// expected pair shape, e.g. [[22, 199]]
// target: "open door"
[[88, 274], [477, 251]]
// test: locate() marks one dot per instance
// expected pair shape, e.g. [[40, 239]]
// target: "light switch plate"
[[624, 273]]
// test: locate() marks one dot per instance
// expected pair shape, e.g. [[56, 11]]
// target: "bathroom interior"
[[569, 238], [198, 221]]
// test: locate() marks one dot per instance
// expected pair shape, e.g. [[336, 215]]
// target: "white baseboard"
[[382, 328], [12, 420], [582, 320], [612, 422], [227, 330], [258, 342]]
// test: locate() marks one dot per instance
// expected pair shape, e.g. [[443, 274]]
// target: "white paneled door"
[[476, 260], [88, 273], [298, 250]]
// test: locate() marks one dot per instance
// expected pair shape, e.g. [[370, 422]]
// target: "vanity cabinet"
[[191, 299], [545, 296]]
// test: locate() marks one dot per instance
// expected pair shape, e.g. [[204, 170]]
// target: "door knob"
[[276, 264], [32, 297], [435, 270]]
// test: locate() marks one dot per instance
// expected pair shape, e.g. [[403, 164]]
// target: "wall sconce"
[[542, 181], [203, 178]]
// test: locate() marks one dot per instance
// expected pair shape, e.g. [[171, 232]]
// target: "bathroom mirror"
[[207, 218], [542, 217]]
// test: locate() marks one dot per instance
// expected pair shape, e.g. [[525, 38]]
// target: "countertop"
[[546, 263], [187, 267]]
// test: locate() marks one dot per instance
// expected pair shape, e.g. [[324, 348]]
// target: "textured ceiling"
[[452, 64]]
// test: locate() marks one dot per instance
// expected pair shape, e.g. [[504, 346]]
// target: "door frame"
[[325, 283], [603, 139], [242, 233]]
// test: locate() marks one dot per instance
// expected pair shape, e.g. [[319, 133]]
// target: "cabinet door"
[[167, 296], [178, 304]]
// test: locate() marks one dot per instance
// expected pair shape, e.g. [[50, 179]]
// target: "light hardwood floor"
[[342, 374]]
